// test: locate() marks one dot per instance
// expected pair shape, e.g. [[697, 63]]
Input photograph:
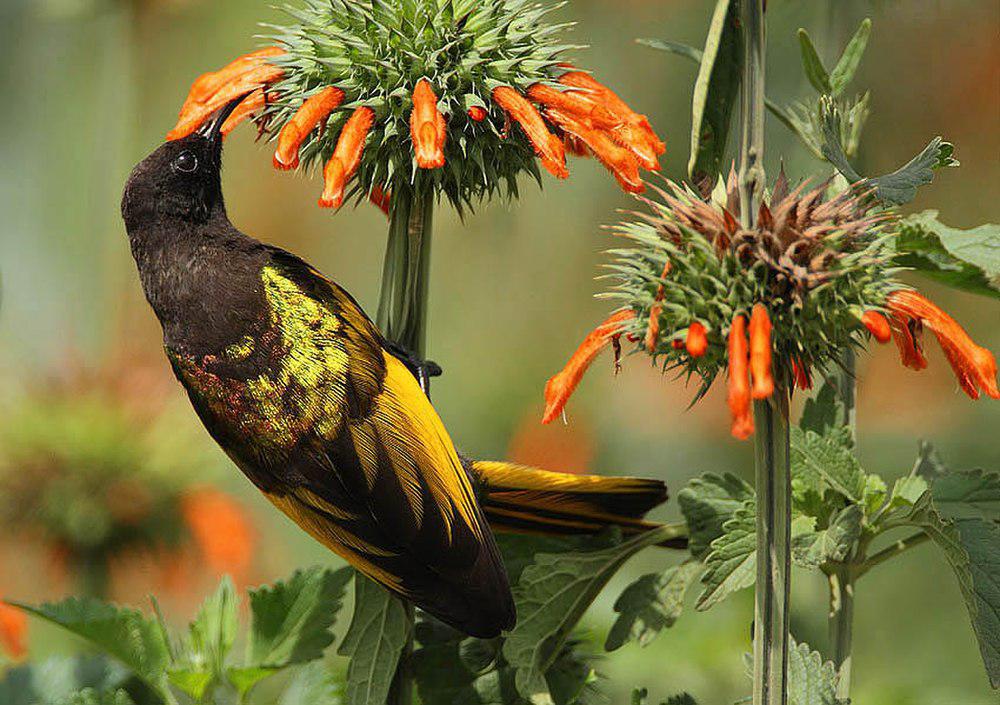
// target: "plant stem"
[[402, 317], [773, 474], [774, 510], [892, 551]]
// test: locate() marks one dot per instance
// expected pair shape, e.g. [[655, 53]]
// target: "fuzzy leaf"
[[57, 678], [824, 413], [969, 546], [964, 259], [897, 188], [813, 65], [732, 562], [707, 503], [210, 638], [820, 462], [715, 93], [847, 66], [906, 491], [124, 634], [376, 638], [312, 684], [968, 494], [89, 696], [833, 543], [651, 604], [551, 596], [811, 680]]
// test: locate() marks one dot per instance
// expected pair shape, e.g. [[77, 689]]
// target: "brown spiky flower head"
[[458, 95], [771, 304]]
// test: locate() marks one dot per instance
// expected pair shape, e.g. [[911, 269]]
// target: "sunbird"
[[327, 419]]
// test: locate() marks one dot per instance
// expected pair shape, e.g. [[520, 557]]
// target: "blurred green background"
[[91, 86]]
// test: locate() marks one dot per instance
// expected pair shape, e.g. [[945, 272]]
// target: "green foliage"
[[377, 53], [813, 65], [707, 503], [552, 595], [374, 642], [834, 82], [313, 684], [715, 93], [59, 679], [290, 625], [963, 259], [651, 604], [732, 562], [639, 696], [811, 680]]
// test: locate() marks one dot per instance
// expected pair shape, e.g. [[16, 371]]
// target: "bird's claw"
[[422, 369]]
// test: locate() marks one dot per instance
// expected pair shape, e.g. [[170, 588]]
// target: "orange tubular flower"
[[653, 330], [696, 342], [427, 127], [211, 92], [760, 353], [910, 352], [739, 386], [380, 198], [577, 104], [313, 111], [476, 113], [559, 389], [13, 631], [801, 375], [974, 366], [253, 103], [618, 160], [877, 325], [346, 157], [548, 147]]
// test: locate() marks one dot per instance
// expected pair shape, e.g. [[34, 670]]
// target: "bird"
[[326, 418]]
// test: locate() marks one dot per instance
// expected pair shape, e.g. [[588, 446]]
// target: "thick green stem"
[[402, 316], [774, 510], [752, 108]]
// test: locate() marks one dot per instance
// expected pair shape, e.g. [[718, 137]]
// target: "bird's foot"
[[422, 369]]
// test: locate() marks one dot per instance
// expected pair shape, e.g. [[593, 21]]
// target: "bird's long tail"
[[520, 499]]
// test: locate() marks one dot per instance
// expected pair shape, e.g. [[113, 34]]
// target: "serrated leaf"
[[963, 259], [312, 684], [715, 91], [847, 65], [823, 413], [732, 562], [969, 546], [834, 543], [651, 604], [821, 462], [210, 638], [377, 636], [968, 494], [811, 680], [707, 503], [124, 634], [906, 491], [813, 65], [551, 596], [875, 494], [89, 696], [639, 696]]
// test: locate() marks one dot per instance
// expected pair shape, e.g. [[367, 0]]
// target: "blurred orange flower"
[[221, 530], [13, 631]]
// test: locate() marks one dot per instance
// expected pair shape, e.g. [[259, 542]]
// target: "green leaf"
[[969, 545], [929, 465], [312, 684], [813, 65], [811, 680], [707, 503], [210, 638], [377, 636], [968, 494], [124, 634], [833, 543], [651, 604], [823, 413], [820, 462], [732, 562], [906, 491], [963, 259], [551, 596], [89, 696], [57, 678], [679, 48], [715, 93], [847, 65], [897, 188], [639, 696]]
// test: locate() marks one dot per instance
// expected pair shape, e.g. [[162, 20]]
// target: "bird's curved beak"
[[212, 129]]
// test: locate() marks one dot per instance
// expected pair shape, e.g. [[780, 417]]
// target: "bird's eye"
[[186, 162]]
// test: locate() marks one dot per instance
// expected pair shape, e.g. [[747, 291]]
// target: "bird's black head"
[[180, 181]]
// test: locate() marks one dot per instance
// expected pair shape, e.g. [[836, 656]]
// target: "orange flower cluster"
[[13, 631], [221, 530], [587, 118]]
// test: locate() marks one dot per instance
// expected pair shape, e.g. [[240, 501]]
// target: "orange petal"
[[346, 157], [910, 353], [575, 146], [760, 353], [801, 374], [549, 148], [653, 328], [739, 386], [221, 531], [427, 127], [13, 631], [314, 110], [619, 161], [380, 198], [246, 83], [696, 342], [877, 325], [561, 386], [209, 84], [253, 103], [577, 104], [476, 113], [974, 366]]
